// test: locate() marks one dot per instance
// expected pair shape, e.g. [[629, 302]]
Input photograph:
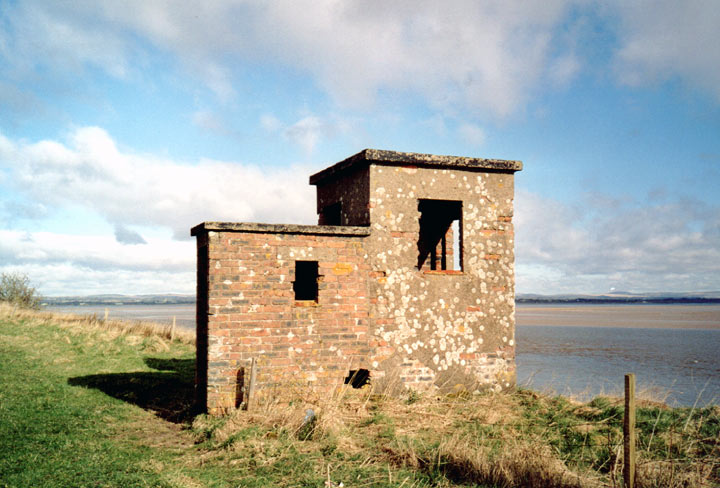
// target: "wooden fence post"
[[629, 432], [251, 387], [172, 330]]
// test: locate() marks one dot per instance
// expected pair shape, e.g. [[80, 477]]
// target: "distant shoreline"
[[637, 315], [118, 300], [620, 301], [521, 299]]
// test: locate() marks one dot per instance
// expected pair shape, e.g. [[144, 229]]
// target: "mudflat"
[[636, 316]]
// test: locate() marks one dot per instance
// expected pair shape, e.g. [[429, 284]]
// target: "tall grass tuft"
[[113, 328]]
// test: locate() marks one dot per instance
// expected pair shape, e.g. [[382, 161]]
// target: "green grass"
[[61, 421], [86, 404], [81, 406]]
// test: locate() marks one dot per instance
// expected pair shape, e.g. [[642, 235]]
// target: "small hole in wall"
[[306, 280], [357, 378]]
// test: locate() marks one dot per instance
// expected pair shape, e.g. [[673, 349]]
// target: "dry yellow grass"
[[417, 432], [504, 440], [490, 439], [112, 328]]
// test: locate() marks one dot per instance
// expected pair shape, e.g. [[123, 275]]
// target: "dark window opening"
[[358, 378], [331, 214], [305, 285], [440, 242]]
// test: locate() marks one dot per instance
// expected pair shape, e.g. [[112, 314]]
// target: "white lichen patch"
[[444, 319]]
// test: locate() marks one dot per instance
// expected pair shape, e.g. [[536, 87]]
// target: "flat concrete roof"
[[318, 230], [396, 158]]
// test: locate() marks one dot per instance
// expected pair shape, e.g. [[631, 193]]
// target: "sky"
[[124, 124]]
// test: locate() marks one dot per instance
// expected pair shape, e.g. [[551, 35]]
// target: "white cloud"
[[94, 251], [38, 35], [658, 245], [633, 246], [461, 55], [61, 264], [305, 132], [214, 123], [564, 69], [67, 279], [208, 120], [131, 189], [665, 39], [472, 134], [484, 55], [270, 123]]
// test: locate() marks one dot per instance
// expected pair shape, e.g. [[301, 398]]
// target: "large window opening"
[[331, 214], [440, 243], [305, 285]]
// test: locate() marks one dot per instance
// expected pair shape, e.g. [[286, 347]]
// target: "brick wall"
[[252, 311]]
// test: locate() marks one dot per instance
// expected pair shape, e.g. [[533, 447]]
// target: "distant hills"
[[110, 299], [613, 297], [623, 297]]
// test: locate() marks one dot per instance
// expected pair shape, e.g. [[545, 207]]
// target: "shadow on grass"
[[168, 392]]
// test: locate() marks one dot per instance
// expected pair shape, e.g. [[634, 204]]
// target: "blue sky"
[[123, 124]]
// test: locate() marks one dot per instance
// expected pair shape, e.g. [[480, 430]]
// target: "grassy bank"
[[89, 403]]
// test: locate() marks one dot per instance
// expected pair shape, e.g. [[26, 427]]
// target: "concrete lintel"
[[396, 158], [322, 230]]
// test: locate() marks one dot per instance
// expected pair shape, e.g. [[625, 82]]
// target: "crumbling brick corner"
[[407, 283]]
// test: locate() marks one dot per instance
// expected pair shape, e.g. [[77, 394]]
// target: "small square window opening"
[[305, 285]]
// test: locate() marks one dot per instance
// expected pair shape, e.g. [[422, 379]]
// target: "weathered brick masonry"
[[409, 279]]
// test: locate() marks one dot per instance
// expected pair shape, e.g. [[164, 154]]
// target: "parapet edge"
[[329, 230], [380, 156]]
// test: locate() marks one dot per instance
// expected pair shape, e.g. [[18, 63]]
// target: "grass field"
[[85, 403]]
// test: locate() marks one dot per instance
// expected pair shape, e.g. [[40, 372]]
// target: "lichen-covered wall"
[[442, 328]]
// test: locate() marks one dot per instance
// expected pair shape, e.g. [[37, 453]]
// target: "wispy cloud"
[[502, 52], [472, 134], [308, 131], [663, 40], [629, 245]]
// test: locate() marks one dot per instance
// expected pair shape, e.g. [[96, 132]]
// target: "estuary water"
[[576, 350], [184, 313], [585, 350]]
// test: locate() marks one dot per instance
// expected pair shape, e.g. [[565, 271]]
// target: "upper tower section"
[[344, 189]]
